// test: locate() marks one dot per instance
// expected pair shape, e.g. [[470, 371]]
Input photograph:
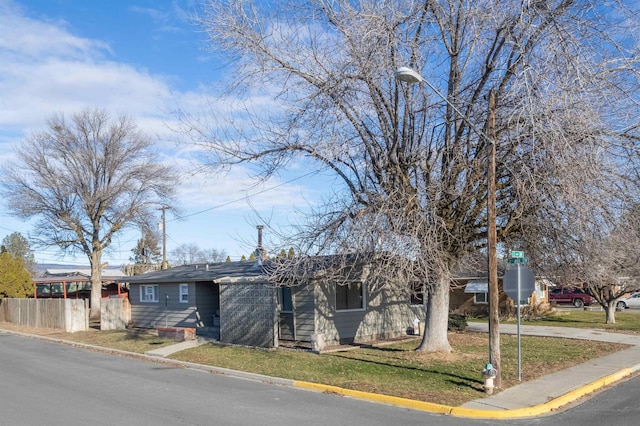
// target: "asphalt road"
[[45, 383], [616, 406]]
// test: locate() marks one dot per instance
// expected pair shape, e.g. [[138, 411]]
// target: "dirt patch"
[[427, 357]]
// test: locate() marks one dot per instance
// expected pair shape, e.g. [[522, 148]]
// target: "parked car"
[[575, 296], [632, 301]]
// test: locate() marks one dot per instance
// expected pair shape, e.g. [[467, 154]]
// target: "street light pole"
[[492, 243], [410, 76]]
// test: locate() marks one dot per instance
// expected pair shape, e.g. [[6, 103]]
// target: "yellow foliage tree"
[[15, 280]]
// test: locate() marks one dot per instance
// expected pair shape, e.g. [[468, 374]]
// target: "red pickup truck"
[[575, 296]]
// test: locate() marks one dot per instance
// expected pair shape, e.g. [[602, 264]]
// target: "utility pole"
[[164, 264], [492, 242]]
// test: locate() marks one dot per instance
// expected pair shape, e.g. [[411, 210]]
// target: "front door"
[[285, 307]]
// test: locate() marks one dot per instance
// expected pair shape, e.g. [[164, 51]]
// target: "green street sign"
[[517, 254], [518, 260]]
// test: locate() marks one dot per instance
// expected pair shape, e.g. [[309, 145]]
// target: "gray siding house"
[[236, 303]]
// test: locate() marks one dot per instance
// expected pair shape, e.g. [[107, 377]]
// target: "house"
[[238, 303], [75, 283], [469, 295]]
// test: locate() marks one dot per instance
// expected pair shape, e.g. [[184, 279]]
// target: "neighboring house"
[[75, 283], [469, 295], [240, 305]]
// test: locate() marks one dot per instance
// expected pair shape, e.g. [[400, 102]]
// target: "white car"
[[632, 301]]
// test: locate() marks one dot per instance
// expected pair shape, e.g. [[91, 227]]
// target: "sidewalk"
[[181, 346], [553, 390]]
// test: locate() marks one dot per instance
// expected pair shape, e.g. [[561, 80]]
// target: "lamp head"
[[408, 75]]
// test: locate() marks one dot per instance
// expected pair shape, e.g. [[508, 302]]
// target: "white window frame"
[[363, 297], [144, 292], [481, 301], [183, 290]]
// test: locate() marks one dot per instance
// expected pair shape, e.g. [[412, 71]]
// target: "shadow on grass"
[[382, 348], [143, 336], [570, 320], [456, 379]]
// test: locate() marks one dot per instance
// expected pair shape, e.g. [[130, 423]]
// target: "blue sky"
[[140, 58]]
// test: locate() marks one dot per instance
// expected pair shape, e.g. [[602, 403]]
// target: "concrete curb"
[[430, 407], [516, 413], [374, 397]]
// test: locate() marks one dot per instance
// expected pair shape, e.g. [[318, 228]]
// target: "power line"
[[315, 172], [54, 255]]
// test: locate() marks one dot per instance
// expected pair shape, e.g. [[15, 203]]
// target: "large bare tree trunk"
[[96, 284], [611, 312], [435, 338]]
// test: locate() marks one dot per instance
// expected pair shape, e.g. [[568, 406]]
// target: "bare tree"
[[86, 179], [601, 256], [190, 253], [186, 254], [413, 168], [215, 255]]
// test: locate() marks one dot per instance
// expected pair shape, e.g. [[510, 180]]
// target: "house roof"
[[75, 274], [225, 272], [477, 286]]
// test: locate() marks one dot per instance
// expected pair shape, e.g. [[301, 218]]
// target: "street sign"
[[517, 254], [518, 260], [519, 283]]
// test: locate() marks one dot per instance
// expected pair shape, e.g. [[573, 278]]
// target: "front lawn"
[[626, 321], [398, 370]]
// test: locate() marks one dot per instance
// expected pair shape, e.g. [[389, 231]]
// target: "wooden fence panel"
[[115, 313], [66, 314]]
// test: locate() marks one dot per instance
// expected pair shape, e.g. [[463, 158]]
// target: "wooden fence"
[[67, 314], [115, 313]]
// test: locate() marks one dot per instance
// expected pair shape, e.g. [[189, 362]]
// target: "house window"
[[480, 290], [349, 297], [149, 293], [285, 299], [184, 293], [480, 298]]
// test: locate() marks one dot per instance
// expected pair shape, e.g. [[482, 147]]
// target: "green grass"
[[124, 340], [399, 370], [138, 341], [626, 321]]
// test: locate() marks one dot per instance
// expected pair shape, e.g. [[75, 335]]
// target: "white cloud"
[[236, 191], [46, 69], [33, 39]]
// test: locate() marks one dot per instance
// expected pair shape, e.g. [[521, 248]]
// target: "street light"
[[410, 76]]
